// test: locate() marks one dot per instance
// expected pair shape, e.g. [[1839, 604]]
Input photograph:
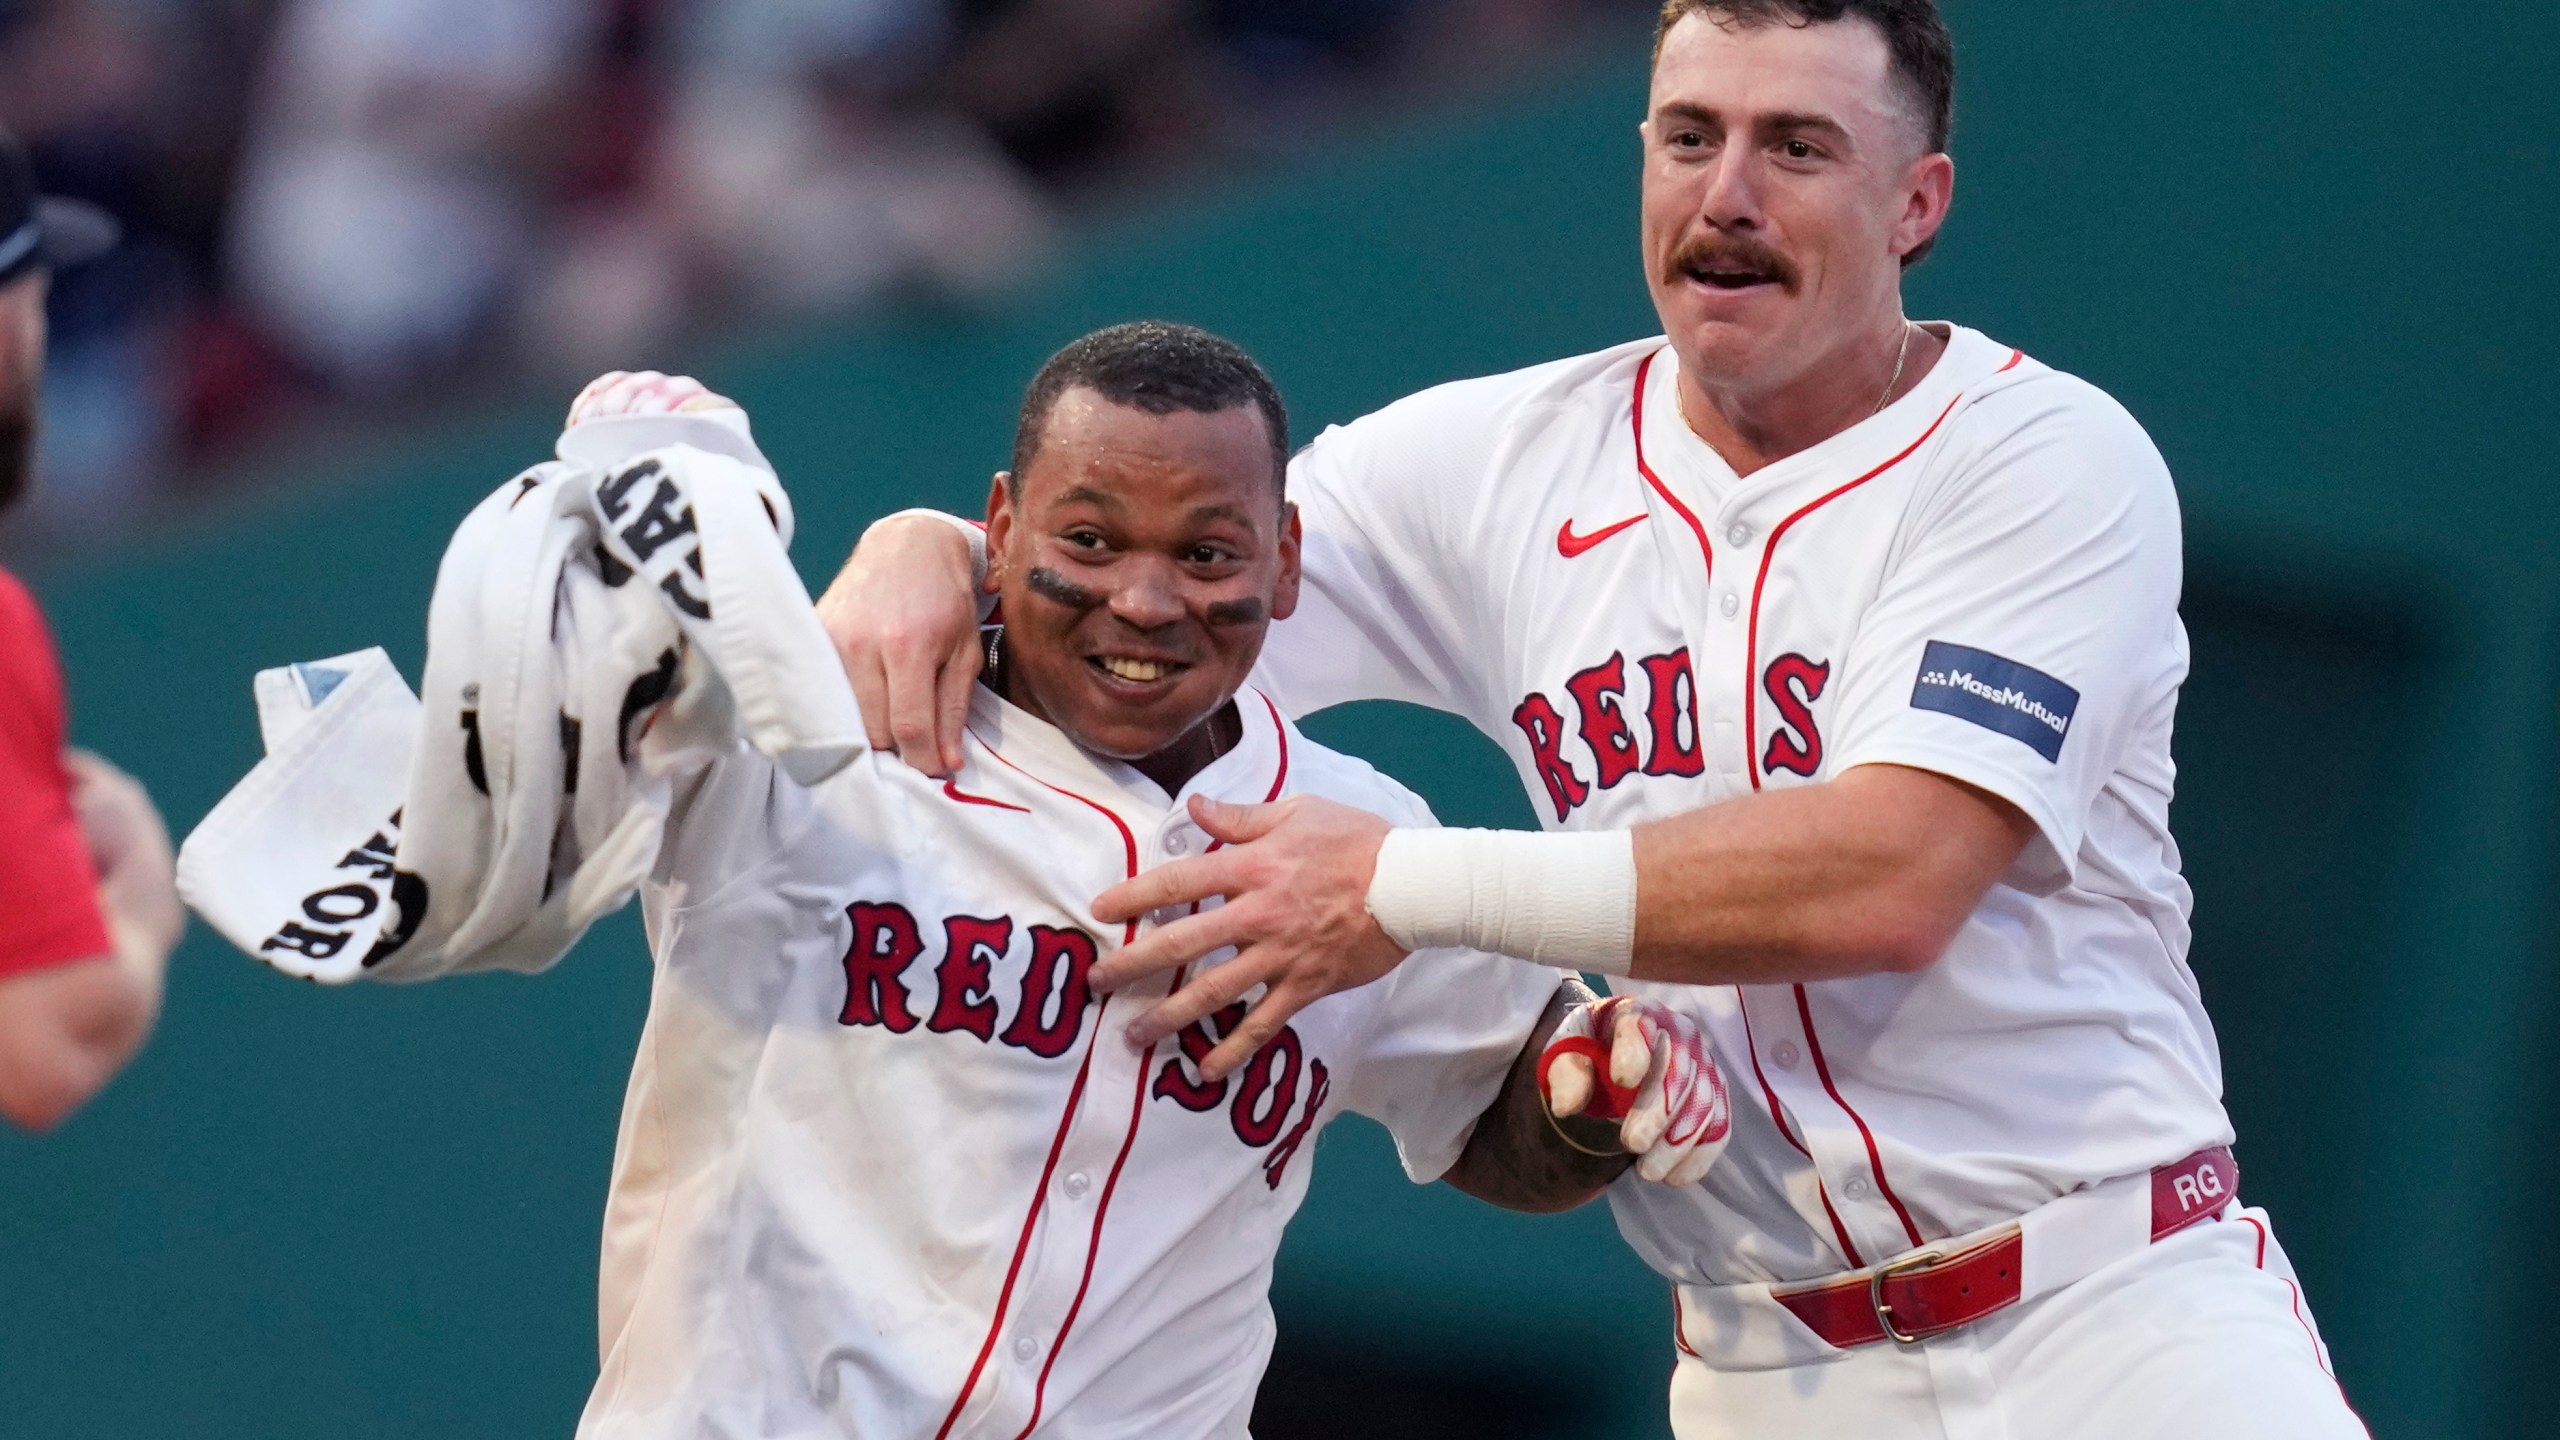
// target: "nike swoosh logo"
[[952, 789], [1569, 544]]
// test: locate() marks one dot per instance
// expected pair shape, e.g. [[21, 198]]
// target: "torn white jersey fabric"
[[600, 623]]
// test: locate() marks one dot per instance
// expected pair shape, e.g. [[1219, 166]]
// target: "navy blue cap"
[[43, 231]]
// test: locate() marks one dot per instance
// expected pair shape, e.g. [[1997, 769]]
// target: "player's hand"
[[1662, 1085], [1295, 876], [643, 392], [904, 619], [129, 845]]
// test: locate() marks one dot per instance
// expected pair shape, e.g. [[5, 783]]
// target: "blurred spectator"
[[387, 199], [357, 200]]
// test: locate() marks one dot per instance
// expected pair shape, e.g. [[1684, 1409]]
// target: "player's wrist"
[[1565, 899], [931, 527]]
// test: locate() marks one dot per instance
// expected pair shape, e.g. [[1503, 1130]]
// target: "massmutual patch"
[[2019, 701]]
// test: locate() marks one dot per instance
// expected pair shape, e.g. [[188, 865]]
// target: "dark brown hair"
[[1924, 54]]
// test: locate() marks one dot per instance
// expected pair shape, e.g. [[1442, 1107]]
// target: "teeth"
[[1140, 670]]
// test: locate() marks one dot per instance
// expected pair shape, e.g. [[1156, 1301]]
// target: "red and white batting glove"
[[1661, 1084], [643, 392]]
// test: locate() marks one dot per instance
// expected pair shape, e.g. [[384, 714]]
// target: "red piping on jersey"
[[1839, 1232], [1057, 1142], [1680, 1325], [1875, 1161], [1706, 552], [1768, 553], [1751, 767], [1137, 1109], [952, 789], [2014, 357], [1655, 481]]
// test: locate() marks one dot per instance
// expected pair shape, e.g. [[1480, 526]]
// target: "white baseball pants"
[[2205, 1333]]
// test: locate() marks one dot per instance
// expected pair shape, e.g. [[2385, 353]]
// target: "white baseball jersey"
[[888, 1168], [1980, 581]]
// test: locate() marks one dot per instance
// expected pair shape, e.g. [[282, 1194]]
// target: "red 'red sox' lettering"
[[1670, 744], [1048, 1010], [1794, 683]]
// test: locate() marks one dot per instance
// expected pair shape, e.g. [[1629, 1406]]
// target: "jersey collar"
[[1692, 464], [1251, 771]]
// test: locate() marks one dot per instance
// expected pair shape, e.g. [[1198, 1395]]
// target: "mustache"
[[1717, 250], [1049, 585]]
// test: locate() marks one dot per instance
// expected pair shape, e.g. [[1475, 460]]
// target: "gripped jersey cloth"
[[595, 621], [888, 1167], [1980, 581]]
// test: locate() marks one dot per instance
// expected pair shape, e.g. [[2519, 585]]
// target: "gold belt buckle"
[[1875, 1293]]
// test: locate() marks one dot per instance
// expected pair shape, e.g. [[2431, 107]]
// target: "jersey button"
[[1857, 1188], [1732, 604], [1739, 535], [1077, 1184], [1026, 1349], [1785, 1055], [1178, 843]]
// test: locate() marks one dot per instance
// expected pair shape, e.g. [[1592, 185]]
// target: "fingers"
[[913, 666], [1236, 824], [643, 392], [1176, 882], [1260, 1023], [1568, 1085], [1650, 1115], [1630, 1047], [1213, 990], [957, 680], [1168, 947]]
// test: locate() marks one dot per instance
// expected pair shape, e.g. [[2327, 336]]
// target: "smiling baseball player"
[[1839, 654], [888, 1166]]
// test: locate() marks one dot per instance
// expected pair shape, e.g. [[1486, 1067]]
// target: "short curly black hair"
[[1159, 367]]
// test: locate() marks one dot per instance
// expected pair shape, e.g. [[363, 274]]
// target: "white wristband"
[[1564, 899]]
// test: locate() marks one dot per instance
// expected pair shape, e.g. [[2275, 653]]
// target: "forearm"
[[1517, 1158], [65, 1031], [1869, 872]]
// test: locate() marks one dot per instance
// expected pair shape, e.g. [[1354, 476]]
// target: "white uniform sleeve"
[[1449, 1026], [1446, 1027], [1383, 613], [2030, 621]]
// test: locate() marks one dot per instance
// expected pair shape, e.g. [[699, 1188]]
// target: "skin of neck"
[[1171, 767], [1754, 422]]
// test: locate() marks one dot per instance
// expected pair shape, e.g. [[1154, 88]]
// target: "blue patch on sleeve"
[[2020, 702]]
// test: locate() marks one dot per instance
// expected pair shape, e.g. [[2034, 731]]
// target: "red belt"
[[1930, 1292]]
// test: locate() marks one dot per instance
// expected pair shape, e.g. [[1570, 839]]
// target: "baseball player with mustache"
[[1839, 654]]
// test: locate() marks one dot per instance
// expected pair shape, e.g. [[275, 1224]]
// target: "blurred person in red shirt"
[[88, 907]]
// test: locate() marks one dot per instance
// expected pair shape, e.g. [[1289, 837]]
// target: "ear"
[[1929, 192], [999, 530], [1284, 587]]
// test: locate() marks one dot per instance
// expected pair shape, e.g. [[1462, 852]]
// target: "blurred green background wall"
[[2311, 247]]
